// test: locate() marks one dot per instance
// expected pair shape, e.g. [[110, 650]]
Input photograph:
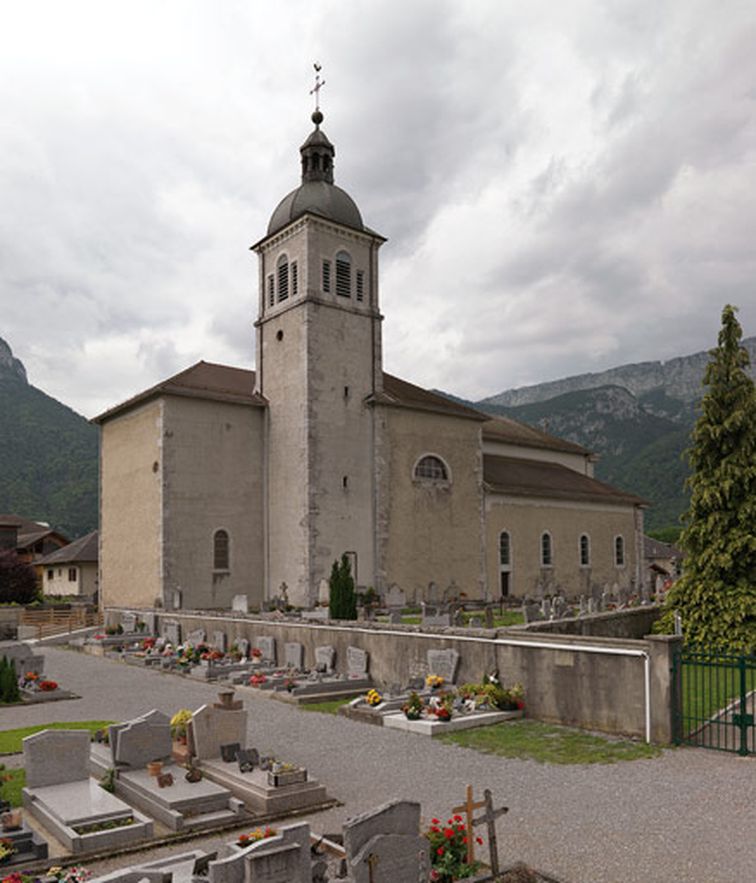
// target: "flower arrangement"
[[257, 680], [31, 676], [257, 834], [75, 874], [449, 850], [444, 709], [413, 707], [7, 849], [148, 643], [373, 698], [180, 722], [434, 682], [256, 653], [47, 686]]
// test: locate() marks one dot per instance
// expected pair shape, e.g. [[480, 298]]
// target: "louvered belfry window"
[[294, 279], [327, 277], [360, 285], [343, 274], [271, 290], [282, 268]]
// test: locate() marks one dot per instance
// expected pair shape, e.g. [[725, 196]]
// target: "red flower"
[[457, 818], [435, 821], [448, 833], [479, 841], [440, 850]]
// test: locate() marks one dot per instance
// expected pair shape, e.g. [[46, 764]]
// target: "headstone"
[[23, 658], [582, 606], [546, 608], [560, 607], [395, 617], [325, 658], [148, 618], [294, 656], [243, 646], [213, 727], [128, 622], [289, 852], [219, 641], [172, 631], [176, 599], [458, 617], [451, 592], [268, 647], [357, 662], [476, 622], [592, 604], [443, 663], [391, 835], [239, 604], [432, 594], [54, 757], [489, 617], [324, 592], [196, 636], [395, 597], [531, 611], [143, 740]]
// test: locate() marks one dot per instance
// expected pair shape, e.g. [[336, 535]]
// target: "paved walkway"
[[687, 816]]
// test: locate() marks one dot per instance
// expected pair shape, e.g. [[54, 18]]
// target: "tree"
[[716, 595], [342, 601], [18, 582], [9, 691]]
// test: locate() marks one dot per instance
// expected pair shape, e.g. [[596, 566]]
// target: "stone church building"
[[221, 481]]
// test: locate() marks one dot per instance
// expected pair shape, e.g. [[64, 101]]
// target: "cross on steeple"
[[489, 820], [468, 808], [318, 85]]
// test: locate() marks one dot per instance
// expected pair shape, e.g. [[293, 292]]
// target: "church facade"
[[221, 481]]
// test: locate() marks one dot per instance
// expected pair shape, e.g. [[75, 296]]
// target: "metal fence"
[[714, 700], [53, 621]]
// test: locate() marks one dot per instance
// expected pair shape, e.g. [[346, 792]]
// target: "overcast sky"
[[565, 186]]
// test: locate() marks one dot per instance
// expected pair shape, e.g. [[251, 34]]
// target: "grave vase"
[[155, 767]]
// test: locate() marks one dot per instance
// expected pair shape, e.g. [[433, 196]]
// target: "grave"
[[27, 845], [211, 729], [431, 726], [171, 631], [182, 868], [196, 637], [384, 845], [62, 797], [23, 658], [283, 858], [319, 686], [294, 656], [239, 604], [181, 805]]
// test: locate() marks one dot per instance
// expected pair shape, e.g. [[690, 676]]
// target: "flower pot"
[[11, 820], [155, 767]]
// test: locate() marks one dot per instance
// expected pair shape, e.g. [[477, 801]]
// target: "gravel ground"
[[689, 815]]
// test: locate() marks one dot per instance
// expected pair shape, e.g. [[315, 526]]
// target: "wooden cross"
[[468, 808], [489, 820], [317, 87], [372, 860]]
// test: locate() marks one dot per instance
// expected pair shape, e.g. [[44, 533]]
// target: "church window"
[[221, 558], [282, 268], [327, 277], [505, 550], [619, 551], [294, 279], [585, 550], [343, 274], [360, 285], [432, 468], [547, 554], [271, 291]]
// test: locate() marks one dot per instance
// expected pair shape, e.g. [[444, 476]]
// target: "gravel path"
[[689, 815]]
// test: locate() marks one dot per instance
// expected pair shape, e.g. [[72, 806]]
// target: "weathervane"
[[318, 86]]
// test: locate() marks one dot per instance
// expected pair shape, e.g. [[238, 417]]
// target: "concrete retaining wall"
[[595, 683], [636, 622]]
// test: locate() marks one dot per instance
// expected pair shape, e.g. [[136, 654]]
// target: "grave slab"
[[433, 727]]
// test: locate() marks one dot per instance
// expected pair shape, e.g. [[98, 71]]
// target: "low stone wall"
[[595, 683], [9, 617], [635, 622]]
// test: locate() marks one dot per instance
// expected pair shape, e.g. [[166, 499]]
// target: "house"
[[71, 570]]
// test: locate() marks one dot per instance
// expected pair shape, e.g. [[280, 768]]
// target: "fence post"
[[745, 718], [666, 700]]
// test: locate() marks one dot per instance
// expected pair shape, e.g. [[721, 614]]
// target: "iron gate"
[[714, 700]]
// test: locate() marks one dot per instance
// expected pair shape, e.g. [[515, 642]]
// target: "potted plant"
[[413, 707], [155, 767], [434, 682], [179, 724], [373, 698]]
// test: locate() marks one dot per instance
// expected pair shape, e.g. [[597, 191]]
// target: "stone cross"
[[489, 820], [468, 808]]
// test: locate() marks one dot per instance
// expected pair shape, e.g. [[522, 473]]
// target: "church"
[[220, 481]]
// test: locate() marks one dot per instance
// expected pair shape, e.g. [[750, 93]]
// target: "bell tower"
[[318, 363]]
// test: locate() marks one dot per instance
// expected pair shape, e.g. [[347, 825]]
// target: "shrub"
[[342, 602], [9, 691], [18, 582]]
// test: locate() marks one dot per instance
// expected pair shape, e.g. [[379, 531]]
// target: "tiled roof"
[[205, 380], [403, 394], [656, 549], [533, 478], [504, 429], [81, 550]]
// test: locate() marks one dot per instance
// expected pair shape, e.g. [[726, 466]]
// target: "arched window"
[[619, 551], [221, 557], [585, 550], [282, 271], [547, 555], [433, 468], [505, 551], [343, 274]]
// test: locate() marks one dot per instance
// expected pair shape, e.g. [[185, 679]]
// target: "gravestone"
[[489, 617], [294, 656], [23, 658], [54, 757], [279, 864], [531, 611], [243, 647], [239, 604], [267, 646], [559, 607], [149, 622], [357, 662], [219, 641], [128, 622], [176, 598], [395, 617], [476, 622], [325, 657], [143, 740], [196, 636], [213, 727], [432, 593], [172, 631], [324, 592], [395, 597], [592, 605], [443, 663], [385, 845]]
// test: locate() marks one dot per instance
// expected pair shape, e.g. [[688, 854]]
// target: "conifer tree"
[[342, 598], [716, 595]]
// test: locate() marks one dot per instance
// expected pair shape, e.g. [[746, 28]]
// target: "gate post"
[[665, 686]]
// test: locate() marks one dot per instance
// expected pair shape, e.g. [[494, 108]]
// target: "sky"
[[565, 187]]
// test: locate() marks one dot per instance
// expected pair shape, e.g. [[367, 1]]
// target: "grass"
[[10, 740], [508, 617], [546, 743], [706, 689], [12, 783], [330, 707]]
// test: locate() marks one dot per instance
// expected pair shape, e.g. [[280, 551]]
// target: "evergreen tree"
[[342, 597], [9, 691], [716, 595], [334, 592]]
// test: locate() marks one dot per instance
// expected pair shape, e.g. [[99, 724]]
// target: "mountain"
[[48, 455]]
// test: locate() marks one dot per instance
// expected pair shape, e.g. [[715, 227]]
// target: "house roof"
[[28, 538], [82, 550], [533, 478], [504, 429], [406, 395], [657, 549], [204, 380], [11, 521]]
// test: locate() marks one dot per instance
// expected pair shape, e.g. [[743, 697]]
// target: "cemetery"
[[22, 678]]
